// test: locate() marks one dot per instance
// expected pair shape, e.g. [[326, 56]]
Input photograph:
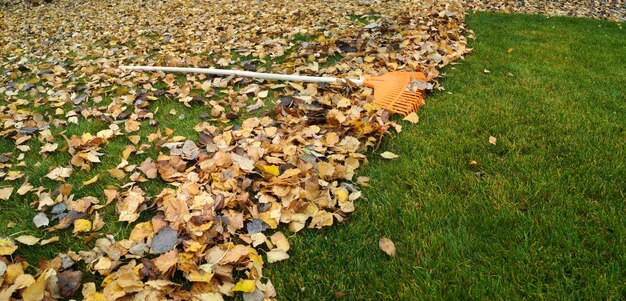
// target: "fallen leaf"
[[49, 240], [69, 282], [148, 167], [276, 255], [164, 240], [166, 261], [92, 180], [81, 225], [28, 240], [5, 193], [7, 246], [389, 155], [246, 286], [486, 71], [36, 291], [412, 118], [493, 140], [387, 246], [59, 173]]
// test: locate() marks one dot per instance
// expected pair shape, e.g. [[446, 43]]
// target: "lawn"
[[540, 214]]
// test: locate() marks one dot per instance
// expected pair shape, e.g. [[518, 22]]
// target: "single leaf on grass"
[[117, 173], [41, 220], [81, 225], [26, 187], [387, 246], [493, 140], [92, 180], [389, 155], [98, 222], [49, 240], [5, 193], [28, 240], [276, 255], [59, 173], [412, 118]]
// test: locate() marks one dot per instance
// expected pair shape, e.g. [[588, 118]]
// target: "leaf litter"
[[234, 189]]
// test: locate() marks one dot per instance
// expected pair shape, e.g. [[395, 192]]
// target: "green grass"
[[546, 220]]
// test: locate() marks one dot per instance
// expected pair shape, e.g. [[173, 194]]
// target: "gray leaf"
[[256, 226], [41, 220], [165, 240]]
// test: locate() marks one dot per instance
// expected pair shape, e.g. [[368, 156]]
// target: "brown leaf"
[[387, 246], [69, 282]]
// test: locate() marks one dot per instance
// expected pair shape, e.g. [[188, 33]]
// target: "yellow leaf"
[[91, 181], [7, 246], [342, 195], [412, 118], [270, 169], [493, 140], [35, 291], [389, 155], [82, 225], [246, 286]]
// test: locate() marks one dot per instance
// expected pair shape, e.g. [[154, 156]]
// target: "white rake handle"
[[271, 76]]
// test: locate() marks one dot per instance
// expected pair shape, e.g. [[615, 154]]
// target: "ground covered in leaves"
[[165, 211], [614, 10]]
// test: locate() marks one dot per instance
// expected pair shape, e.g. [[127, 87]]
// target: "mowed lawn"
[[541, 215]]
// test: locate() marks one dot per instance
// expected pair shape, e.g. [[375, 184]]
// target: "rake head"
[[391, 91]]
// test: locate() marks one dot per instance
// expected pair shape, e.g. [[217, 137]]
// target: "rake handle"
[[270, 76]]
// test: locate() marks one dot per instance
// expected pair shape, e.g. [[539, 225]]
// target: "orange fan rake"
[[391, 90]]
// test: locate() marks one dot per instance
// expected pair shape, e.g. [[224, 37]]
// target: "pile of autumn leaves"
[[614, 10], [229, 189]]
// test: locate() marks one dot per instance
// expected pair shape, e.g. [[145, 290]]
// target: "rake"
[[391, 90]]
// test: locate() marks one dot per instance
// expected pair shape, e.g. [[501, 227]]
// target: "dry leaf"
[[69, 282], [412, 118], [387, 246], [5, 193], [7, 246], [389, 155], [92, 180], [41, 220], [81, 225], [246, 286], [49, 240], [276, 255], [28, 240], [59, 173], [492, 140]]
